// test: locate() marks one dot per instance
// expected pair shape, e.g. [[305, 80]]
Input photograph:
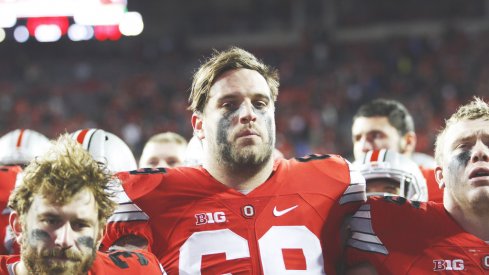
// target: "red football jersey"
[[113, 263], [401, 237], [197, 225], [434, 192], [8, 178]]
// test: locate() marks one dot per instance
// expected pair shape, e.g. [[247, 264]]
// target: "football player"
[[241, 212], [17, 149], [387, 124], [58, 217], [163, 150], [392, 235], [389, 173]]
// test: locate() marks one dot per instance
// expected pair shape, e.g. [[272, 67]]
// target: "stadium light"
[[104, 15], [7, 19], [21, 34], [79, 32], [131, 24], [48, 33], [2, 35], [77, 19]]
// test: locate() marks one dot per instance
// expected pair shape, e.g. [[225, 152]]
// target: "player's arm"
[[364, 251], [128, 228], [133, 262]]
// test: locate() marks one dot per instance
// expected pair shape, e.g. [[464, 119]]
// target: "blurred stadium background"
[[333, 55]]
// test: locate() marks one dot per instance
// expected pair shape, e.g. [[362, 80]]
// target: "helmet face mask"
[[106, 148], [394, 167], [20, 146]]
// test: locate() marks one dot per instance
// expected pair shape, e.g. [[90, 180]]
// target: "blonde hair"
[[221, 62], [475, 109], [168, 137], [60, 174]]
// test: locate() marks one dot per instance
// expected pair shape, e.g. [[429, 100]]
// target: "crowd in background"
[[135, 92]]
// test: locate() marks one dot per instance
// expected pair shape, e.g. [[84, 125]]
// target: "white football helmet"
[[386, 164], [194, 154], [424, 160], [20, 146], [107, 148]]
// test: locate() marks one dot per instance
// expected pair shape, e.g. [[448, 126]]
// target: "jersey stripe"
[[356, 190], [11, 268], [128, 216], [354, 193], [363, 236], [127, 207], [19, 139], [126, 210]]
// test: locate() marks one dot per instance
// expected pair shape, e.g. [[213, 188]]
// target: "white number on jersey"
[[270, 245]]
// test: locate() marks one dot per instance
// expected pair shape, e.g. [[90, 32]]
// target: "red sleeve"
[[116, 230], [129, 218], [392, 233], [126, 262], [350, 200]]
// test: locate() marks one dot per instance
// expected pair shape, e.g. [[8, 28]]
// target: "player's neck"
[[475, 222], [240, 179]]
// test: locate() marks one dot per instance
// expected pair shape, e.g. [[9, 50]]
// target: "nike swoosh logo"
[[278, 213]]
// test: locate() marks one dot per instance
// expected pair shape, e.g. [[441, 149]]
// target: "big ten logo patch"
[[457, 264], [210, 217]]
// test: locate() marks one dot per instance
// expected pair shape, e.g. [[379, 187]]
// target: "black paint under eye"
[[463, 158], [86, 241], [458, 163], [40, 235]]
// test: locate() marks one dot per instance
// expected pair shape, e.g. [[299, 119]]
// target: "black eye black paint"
[[224, 146], [86, 241], [39, 235], [458, 163], [463, 158]]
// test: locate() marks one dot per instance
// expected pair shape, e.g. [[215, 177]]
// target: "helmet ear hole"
[[20, 146], [106, 148], [390, 165]]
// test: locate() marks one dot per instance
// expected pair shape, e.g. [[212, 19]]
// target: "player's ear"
[[16, 225], [439, 177], [197, 125], [408, 143]]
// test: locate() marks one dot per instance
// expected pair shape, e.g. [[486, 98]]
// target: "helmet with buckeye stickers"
[[106, 148], [20, 146], [393, 168]]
